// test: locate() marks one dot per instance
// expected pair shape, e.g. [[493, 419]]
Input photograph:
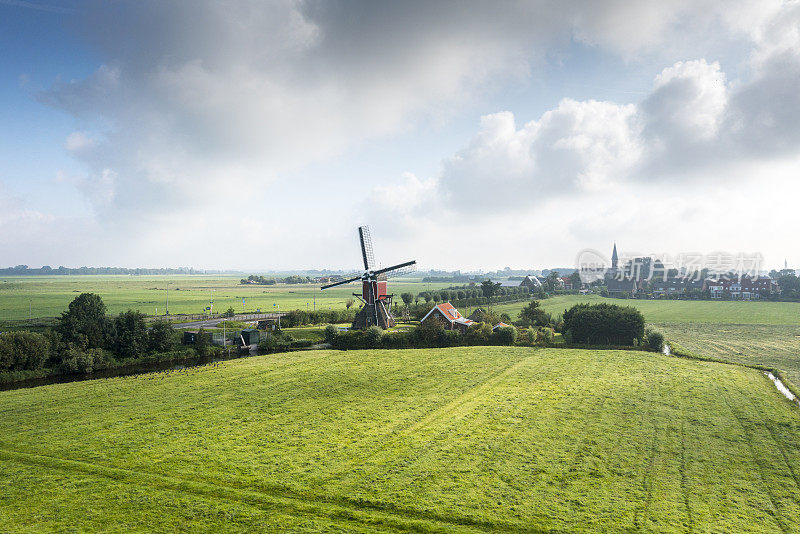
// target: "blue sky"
[[468, 135]]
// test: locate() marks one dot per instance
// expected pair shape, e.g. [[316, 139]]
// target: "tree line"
[[86, 339]]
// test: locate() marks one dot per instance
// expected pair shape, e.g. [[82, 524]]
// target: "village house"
[[451, 317], [744, 288]]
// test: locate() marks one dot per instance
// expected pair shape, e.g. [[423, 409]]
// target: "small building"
[[451, 317], [531, 282], [251, 336]]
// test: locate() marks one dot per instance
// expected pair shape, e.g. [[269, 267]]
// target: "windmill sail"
[[377, 301], [366, 247]]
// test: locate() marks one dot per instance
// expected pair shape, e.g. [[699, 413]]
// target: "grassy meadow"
[[48, 296], [463, 439], [681, 311]]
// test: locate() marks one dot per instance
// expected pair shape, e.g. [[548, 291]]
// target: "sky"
[[258, 135]]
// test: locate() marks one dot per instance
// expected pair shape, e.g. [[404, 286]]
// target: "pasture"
[[48, 296], [767, 345], [681, 311], [463, 439]]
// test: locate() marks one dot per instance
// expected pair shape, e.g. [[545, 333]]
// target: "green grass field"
[[681, 311], [48, 296], [464, 439], [767, 345]]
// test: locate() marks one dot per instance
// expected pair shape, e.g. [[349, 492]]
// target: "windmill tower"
[[377, 302]]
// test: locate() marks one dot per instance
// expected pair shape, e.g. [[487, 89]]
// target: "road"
[[244, 317]]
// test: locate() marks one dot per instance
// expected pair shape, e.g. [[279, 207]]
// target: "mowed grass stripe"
[[334, 509], [554, 440]]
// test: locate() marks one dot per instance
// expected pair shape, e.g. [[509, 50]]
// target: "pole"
[[30, 310], [315, 298], [167, 312]]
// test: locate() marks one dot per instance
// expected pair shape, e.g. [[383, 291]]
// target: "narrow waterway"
[[782, 388]]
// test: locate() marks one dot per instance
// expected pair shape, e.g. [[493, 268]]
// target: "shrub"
[[603, 324], [372, 337], [23, 351], [76, 360], [655, 339], [130, 338], [478, 334], [161, 337], [505, 335], [331, 333]]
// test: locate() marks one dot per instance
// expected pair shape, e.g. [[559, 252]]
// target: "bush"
[[130, 338], [478, 334], [603, 324], [331, 333], [505, 335], [161, 337], [655, 339], [76, 360], [23, 351], [372, 337]]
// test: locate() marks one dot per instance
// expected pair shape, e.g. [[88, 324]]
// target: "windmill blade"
[[366, 247], [347, 280], [391, 272], [402, 271]]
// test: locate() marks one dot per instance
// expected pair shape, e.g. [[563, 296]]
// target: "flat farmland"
[[48, 296], [681, 311], [462, 439], [775, 346]]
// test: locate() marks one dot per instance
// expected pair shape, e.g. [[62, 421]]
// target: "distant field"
[[464, 439], [768, 345], [682, 311], [48, 296]]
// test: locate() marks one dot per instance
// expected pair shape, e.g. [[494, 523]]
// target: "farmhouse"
[[453, 320]]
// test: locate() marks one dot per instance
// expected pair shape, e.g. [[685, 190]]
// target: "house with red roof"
[[451, 317]]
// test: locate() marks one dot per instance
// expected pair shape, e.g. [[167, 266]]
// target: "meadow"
[[48, 296], [462, 439], [775, 346], [681, 311]]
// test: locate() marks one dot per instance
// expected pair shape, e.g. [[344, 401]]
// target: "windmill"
[[377, 302]]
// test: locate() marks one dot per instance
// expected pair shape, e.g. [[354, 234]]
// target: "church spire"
[[614, 257]]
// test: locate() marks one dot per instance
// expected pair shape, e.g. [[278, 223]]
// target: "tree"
[[551, 282], [575, 280], [131, 339], [349, 303], [84, 321], [604, 324], [161, 337], [202, 343], [489, 288], [23, 350], [534, 315], [407, 298]]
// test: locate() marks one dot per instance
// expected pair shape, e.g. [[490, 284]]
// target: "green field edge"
[[679, 351]]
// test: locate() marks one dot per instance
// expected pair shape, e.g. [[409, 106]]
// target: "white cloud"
[[199, 105]]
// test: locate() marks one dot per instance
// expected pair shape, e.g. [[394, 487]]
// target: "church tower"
[[614, 258]]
